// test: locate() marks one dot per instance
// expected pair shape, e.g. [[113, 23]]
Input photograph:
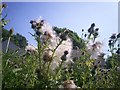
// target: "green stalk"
[[53, 55], [58, 69], [68, 75], [39, 53]]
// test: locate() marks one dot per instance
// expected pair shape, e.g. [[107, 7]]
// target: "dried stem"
[[7, 44]]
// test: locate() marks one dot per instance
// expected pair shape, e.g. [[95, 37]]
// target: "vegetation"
[[77, 41], [32, 70], [18, 39]]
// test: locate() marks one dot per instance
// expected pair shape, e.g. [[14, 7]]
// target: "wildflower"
[[113, 36], [63, 36], [64, 57], [37, 24], [30, 49], [32, 21], [46, 37], [38, 33], [4, 5], [95, 49], [96, 29], [33, 26], [118, 36], [91, 29], [82, 30], [110, 42], [95, 34], [47, 57], [92, 25], [83, 53], [11, 31], [42, 22], [66, 52], [38, 27], [85, 35]]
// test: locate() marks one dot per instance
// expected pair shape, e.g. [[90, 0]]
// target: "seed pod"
[[65, 52], [63, 36], [4, 5], [85, 35], [47, 56], [83, 53], [64, 58], [95, 34], [48, 35], [92, 25], [113, 36], [118, 45], [82, 30], [96, 29], [118, 36], [42, 23], [31, 21], [38, 33], [11, 31], [33, 26]]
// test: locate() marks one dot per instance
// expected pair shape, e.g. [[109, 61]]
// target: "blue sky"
[[74, 16]]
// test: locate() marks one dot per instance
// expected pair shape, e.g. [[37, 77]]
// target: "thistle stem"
[[58, 69], [53, 55], [39, 52]]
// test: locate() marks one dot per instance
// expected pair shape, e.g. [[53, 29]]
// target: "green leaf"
[[16, 70]]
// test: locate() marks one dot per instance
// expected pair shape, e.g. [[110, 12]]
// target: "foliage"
[[77, 41], [18, 39], [33, 71]]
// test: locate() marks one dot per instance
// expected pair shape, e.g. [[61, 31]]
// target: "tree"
[[18, 39], [77, 41]]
